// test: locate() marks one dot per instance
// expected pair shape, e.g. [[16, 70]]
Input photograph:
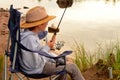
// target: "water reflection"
[[87, 22]]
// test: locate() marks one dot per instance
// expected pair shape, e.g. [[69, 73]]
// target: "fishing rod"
[[62, 4]]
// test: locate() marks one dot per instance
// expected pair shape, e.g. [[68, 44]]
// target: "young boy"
[[33, 63]]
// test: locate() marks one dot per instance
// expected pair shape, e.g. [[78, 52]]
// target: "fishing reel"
[[64, 3], [59, 45], [53, 29]]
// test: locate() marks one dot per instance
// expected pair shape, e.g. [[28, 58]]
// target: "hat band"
[[36, 20]]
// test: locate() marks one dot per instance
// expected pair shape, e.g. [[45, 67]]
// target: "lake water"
[[88, 22]]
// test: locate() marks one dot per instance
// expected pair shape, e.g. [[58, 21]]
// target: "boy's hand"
[[51, 43]]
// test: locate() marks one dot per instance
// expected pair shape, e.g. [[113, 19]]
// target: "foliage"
[[82, 60], [1, 63], [118, 54], [108, 52], [1, 66]]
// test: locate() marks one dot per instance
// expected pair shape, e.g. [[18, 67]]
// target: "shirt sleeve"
[[42, 48]]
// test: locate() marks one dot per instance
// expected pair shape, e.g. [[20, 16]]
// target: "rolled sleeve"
[[47, 48]]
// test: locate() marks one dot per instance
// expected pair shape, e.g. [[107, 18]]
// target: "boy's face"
[[43, 26]]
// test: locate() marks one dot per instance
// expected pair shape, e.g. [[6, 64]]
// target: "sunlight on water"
[[87, 22]]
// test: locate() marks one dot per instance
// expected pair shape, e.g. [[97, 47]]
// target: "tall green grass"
[[1, 63], [1, 66], [84, 59], [116, 66]]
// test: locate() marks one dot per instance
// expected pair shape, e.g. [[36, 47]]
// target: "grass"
[[108, 52], [1, 63], [82, 59], [1, 66]]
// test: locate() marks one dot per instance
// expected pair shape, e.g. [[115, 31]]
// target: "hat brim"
[[36, 23]]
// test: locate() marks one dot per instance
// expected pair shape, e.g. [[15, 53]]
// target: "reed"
[[1, 63], [1, 66], [116, 65], [84, 59]]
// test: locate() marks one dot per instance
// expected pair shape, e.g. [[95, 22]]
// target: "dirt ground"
[[94, 73]]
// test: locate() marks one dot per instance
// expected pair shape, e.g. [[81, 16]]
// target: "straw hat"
[[36, 16]]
